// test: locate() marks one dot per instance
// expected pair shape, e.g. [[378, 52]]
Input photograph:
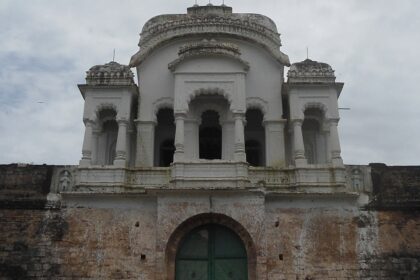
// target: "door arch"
[[179, 234], [211, 252]]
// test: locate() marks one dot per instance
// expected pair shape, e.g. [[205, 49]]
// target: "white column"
[[95, 137], [334, 141], [228, 140], [298, 146], [179, 136], [239, 137], [87, 144], [121, 147], [274, 143], [145, 143], [191, 149]]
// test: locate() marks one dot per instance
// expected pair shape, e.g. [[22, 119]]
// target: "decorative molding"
[[257, 103], [101, 107], [203, 88], [315, 105], [162, 103], [208, 48], [251, 27], [309, 71], [111, 73]]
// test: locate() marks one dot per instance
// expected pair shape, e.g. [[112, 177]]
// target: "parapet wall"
[[395, 187], [297, 238]]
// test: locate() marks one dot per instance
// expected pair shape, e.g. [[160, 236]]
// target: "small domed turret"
[[111, 73], [309, 71]]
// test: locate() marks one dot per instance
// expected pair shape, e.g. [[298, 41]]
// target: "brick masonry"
[[313, 239]]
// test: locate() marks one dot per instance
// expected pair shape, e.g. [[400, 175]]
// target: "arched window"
[[210, 136], [164, 137], [254, 138], [107, 137], [211, 252], [313, 137], [110, 131]]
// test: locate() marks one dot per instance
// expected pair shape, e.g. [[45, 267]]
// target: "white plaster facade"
[[210, 69]]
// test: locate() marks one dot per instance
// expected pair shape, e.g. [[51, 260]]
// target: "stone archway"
[[206, 219]]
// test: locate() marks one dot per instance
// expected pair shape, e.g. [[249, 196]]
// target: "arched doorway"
[[181, 233], [211, 252]]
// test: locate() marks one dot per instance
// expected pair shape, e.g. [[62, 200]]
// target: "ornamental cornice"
[[309, 71], [208, 48], [111, 73], [182, 26]]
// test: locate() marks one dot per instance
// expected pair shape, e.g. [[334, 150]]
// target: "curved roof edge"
[[205, 20]]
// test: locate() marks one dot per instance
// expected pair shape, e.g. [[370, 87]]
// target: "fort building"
[[220, 159]]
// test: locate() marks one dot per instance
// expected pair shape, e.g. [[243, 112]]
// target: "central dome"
[[214, 20]]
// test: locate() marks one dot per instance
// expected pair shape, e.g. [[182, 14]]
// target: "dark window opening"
[[210, 136], [253, 152], [313, 137], [167, 150], [164, 138], [110, 132], [254, 138]]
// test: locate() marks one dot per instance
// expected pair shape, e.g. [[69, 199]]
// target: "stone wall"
[[24, 186], [108, 237]]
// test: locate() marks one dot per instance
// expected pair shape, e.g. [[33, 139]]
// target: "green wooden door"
[[211, 252]]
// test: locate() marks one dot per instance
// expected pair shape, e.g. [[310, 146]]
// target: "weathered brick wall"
[[303, 239], [76, 244], [25, 186], [395, 186]]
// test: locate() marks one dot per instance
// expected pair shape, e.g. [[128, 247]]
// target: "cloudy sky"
[[47, 45]]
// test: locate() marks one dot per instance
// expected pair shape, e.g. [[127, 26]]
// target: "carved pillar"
[[274, 143], [299, 148], [239, 137], [334, 142], [179, 136], [121, 147], [145, 143], [87, 144]]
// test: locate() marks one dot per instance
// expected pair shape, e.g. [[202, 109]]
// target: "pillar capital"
[[281, 122], [297, 121], [122, 121]]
